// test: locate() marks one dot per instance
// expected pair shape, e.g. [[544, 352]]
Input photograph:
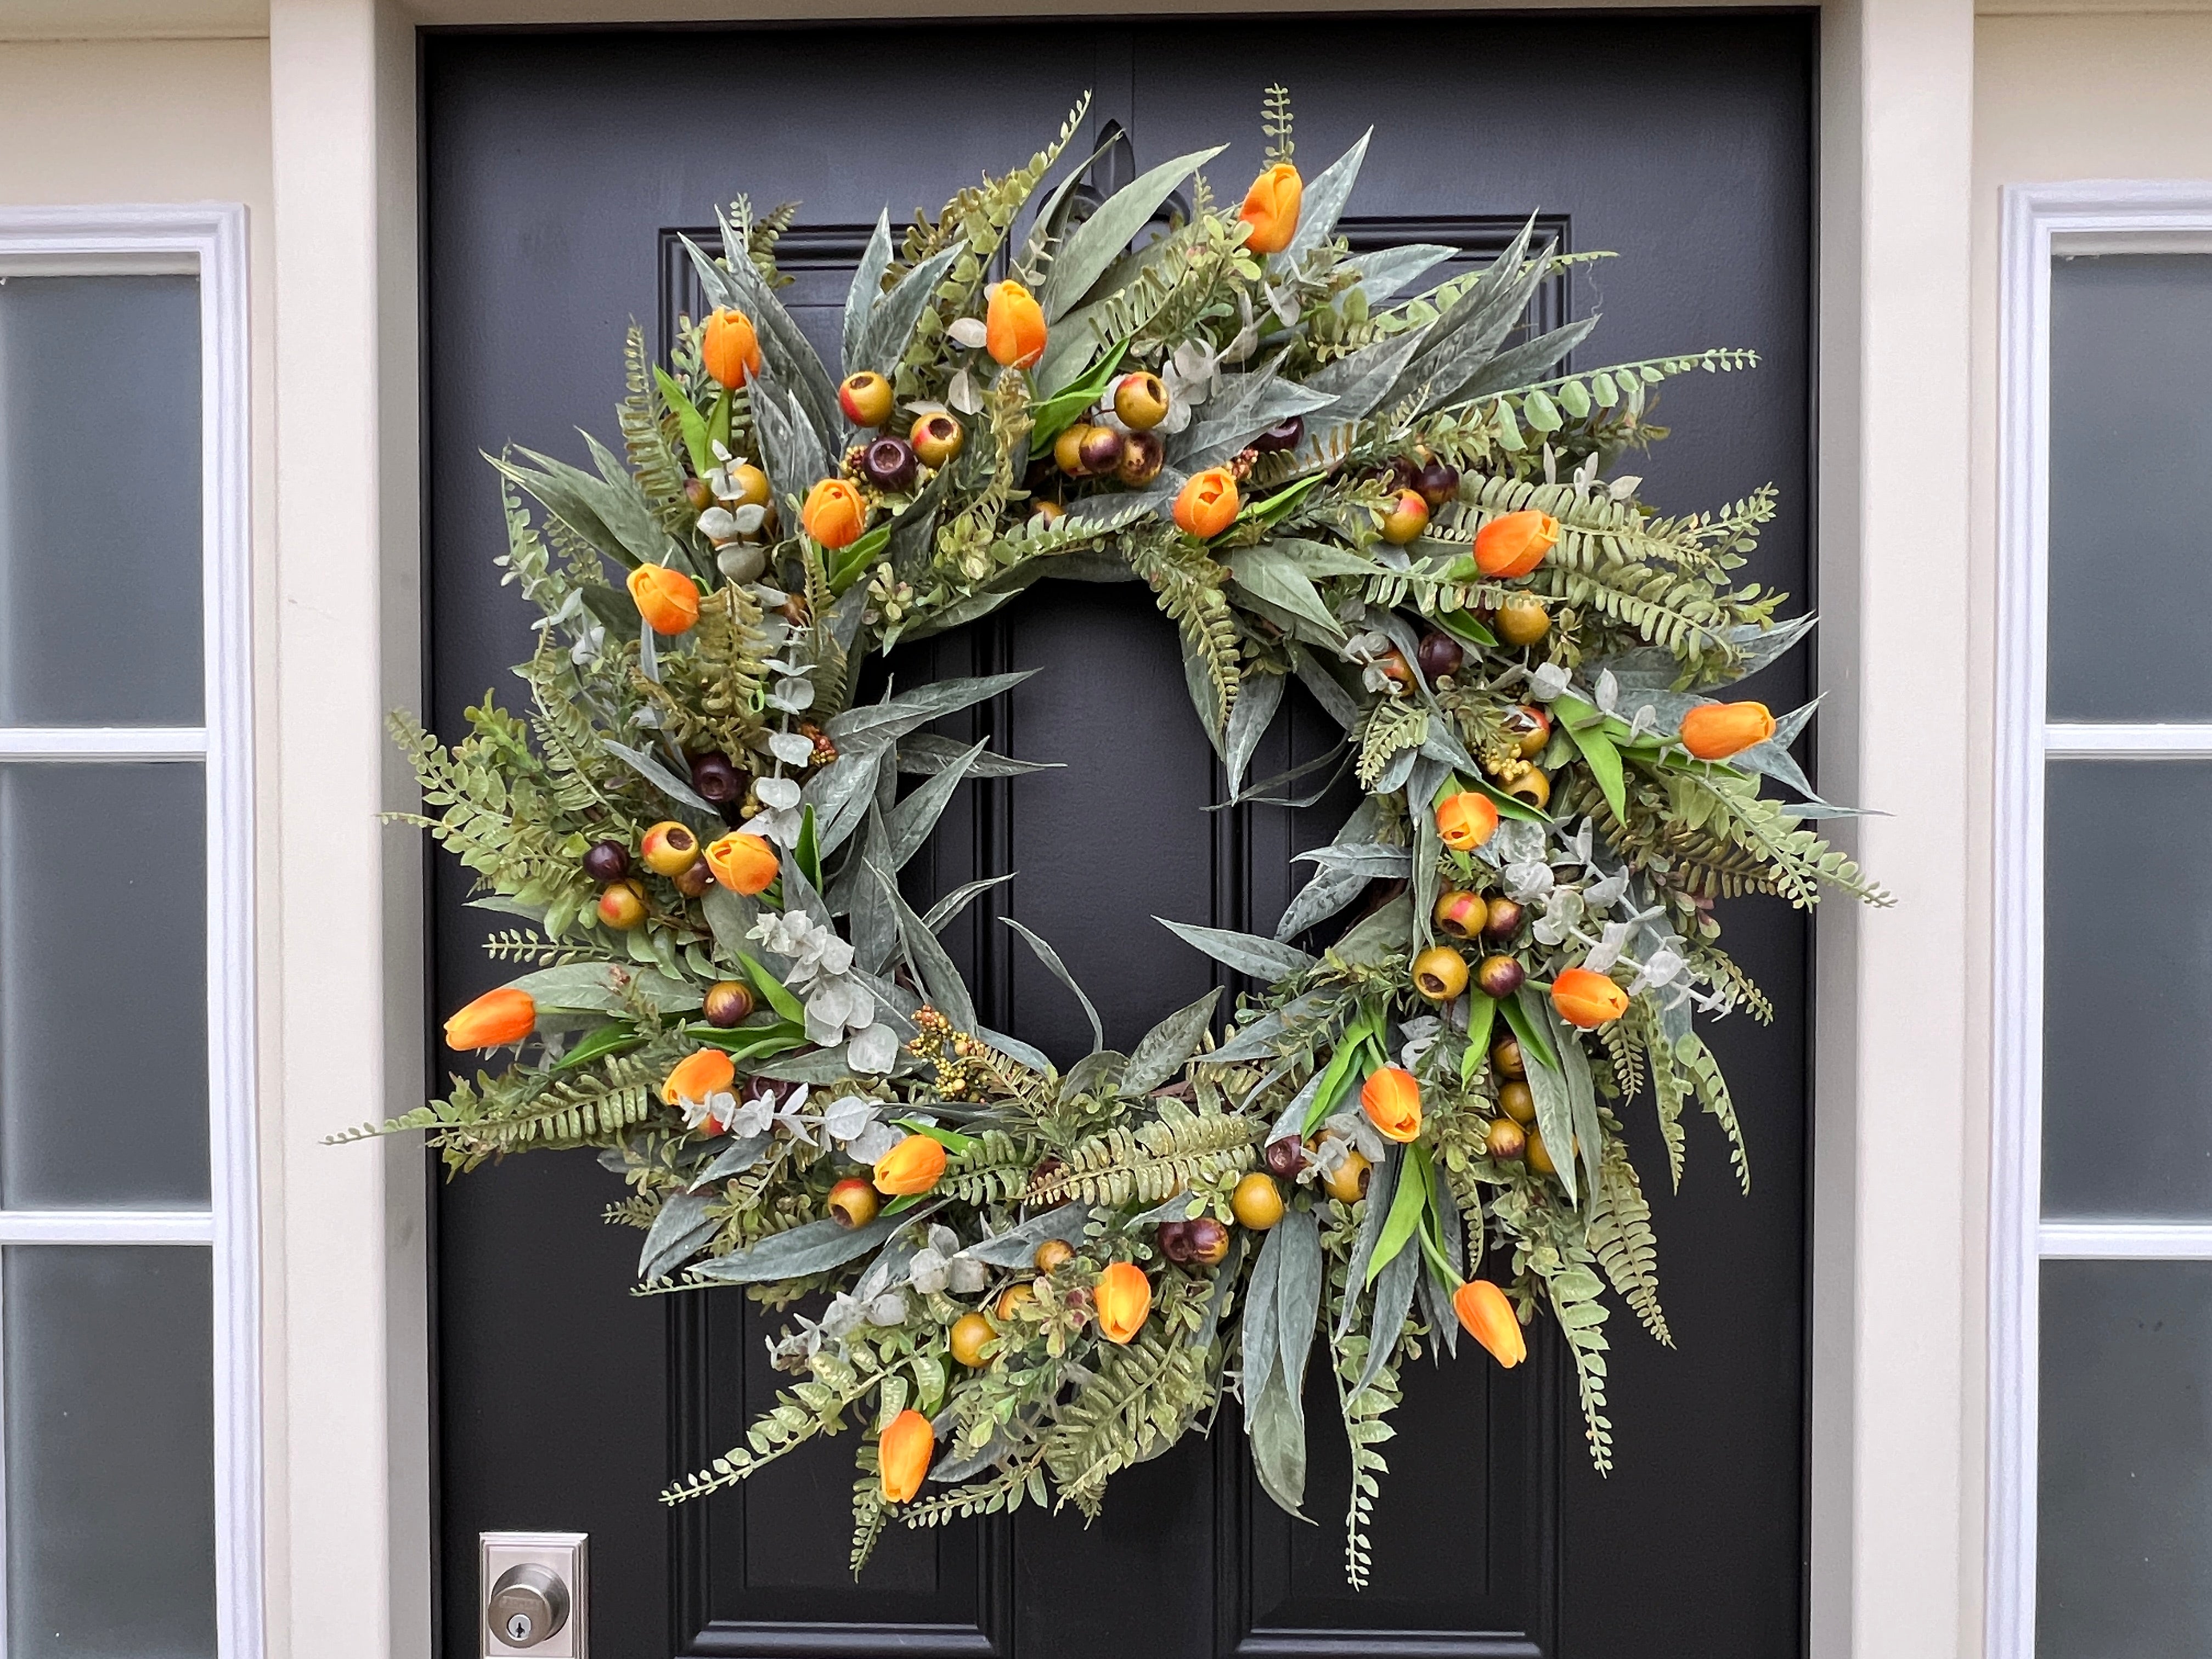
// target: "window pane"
[[2130, 443], [100, 501], [110, 1452], [2127, 1051], [103, 986], [2125, 1544]]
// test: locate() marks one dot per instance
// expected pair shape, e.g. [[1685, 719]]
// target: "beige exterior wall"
[[179, 120]]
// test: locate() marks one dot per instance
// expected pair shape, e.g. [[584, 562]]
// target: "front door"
[[559, 168]]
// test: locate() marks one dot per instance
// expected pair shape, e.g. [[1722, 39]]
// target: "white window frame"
[[2041, 222], [206, 241]]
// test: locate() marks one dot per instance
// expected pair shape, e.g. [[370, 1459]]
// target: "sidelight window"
[[128, 1468], [2101, 1362]]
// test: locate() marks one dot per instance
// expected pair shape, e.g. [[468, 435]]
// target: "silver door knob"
[[529, 1603]]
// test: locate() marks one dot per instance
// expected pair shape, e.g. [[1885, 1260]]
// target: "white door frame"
[[1891, 1571]]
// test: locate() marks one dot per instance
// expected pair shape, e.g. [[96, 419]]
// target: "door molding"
[[1888, 1558]]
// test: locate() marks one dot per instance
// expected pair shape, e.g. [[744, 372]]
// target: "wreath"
[[1019, 1280]]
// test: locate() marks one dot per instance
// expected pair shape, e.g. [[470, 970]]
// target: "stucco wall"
[[2104, 95]]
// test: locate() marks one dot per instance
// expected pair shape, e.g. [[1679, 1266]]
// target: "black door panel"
[[559, 171]]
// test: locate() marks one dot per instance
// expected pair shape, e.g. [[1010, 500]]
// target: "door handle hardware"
[[532, 1588]]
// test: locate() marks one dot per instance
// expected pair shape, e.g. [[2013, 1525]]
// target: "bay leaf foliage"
[[1326, 383]]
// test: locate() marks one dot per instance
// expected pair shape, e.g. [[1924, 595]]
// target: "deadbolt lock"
[[533, 1587], [529, 1604]]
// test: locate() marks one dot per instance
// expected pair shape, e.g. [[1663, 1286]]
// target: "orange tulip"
[[1271, 208], [743, 863], [730, 351], [834, 513], [1123, 1297], [903, 1452], [1714, 731], [1487, 1313], [1587, 1000], [708, 1072], [912, 1166], [1013, 326], [667, 599], [1208, 503], [1465, 820], [1515, 544], [493, 1020], [1392, 1101]]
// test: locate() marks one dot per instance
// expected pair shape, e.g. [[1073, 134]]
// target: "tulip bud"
[[744, 863], [1392, 1099], [1465, 820], [493, 1020], [1487, 1314], [1440, 973], [903, 1453], [912, 1166], [852, 1202], [1123, 1297], [1587, 1000], [703, 1073], [834, 513], [1013, 326], [729, 349], [1271, 208], [728, 1004], [1515, 544], [1257, 1203], [1715, 730], [667, 599], [1208, 503]]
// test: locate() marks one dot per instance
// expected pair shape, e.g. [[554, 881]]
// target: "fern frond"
[[1178, 1151], [1620, 1236]]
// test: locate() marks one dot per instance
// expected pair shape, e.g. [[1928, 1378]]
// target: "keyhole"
[[517, 1629]]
